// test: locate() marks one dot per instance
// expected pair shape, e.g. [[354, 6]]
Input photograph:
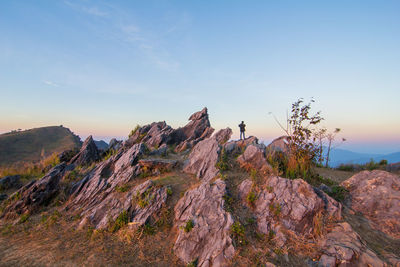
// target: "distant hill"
[[342, 156], [31, 145], [102, 145]]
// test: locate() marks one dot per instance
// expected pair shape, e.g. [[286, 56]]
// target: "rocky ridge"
[[123, 190]]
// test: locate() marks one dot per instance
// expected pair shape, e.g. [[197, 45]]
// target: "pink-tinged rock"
[[205, 155], [115, 203], [88, 153], [279, 144], [376, 194], [209, 240], [35, 194], [254, 158], [343, 247], [237, 146], [292, 204]]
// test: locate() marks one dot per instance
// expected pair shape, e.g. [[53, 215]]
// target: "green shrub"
[[338, 192], [383, 162], [24, 217], [228, 202], [169, 191], [222, 163], [120, 222], [148, 229], [275, 209], [251, 197], [193, 263], [188, 226], [122, 188], [346, 167]]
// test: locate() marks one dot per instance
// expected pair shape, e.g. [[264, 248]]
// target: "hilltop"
[[192, 197], [34, 144]]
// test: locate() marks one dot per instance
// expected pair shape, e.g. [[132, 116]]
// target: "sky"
[[101, 67]]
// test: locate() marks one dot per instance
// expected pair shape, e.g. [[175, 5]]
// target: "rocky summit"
[[192, 196]]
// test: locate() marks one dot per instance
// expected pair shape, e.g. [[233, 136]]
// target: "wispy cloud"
[[91, 10], [50, 83], [126, 29]]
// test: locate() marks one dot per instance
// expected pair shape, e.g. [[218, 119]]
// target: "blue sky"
[[101, 67]]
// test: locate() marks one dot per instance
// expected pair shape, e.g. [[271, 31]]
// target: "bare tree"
[[331, 138]]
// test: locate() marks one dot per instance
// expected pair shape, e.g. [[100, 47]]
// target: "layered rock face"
[[343, 247], [117, 170], [254, 158], [35, 194], [376, 194], [279, 144], [205, 155], [140, 203], [291, 204], [88, 153], [209, 240], [12, 181]]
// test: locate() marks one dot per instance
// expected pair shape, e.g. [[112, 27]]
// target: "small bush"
[[193, 263], [122, 188], [238, 233], [24, 217], [338, 193], [148, 229], [120, 222], [228, 202], [383, 162], [275, 209], [188, 226], [346, 167], [109, 154], [251, 197], [169, 191], [222, 163]]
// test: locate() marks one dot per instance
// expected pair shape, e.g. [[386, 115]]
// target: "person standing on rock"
[[242, 127]]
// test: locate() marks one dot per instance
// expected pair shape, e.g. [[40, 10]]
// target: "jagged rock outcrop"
[[67, 155], [88, 153], [239, 146], [153, 135], [114, 144], [291, 204], [343, 247], [376, 194], [11, 181], [209, 240], [254, 158], [118, 169], [205, 155], [279, 144], [35, 194], [140, 203]]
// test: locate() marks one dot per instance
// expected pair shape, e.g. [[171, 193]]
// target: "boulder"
[[254, 158], [32, 196], [205, 155], [12, 181], [342, 246], [88, 153], [209, 239], [153, 135], [290, 204], [376, 194], [140, 203]]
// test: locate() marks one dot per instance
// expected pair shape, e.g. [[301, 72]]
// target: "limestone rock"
[[292, 204], [254, 158], [114, 144], [118, 169], [209, 240], [205, 155], [12, 181], [376, 194], [238, 146], [140, 203], [343, 246], [35, 194], [280, 144], [88, 153]]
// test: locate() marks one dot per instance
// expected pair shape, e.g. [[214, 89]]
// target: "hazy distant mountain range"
[[342, 156]]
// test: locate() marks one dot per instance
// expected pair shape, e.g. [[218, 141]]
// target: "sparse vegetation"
[[137, 127], [120, 222], [251, 198], [188, 226], [275, 209], [338, 192], [222, 163], [122, 188], [238, 232], [24, 217]]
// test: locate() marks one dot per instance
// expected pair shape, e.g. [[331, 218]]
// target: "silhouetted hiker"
[[242, 127]]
